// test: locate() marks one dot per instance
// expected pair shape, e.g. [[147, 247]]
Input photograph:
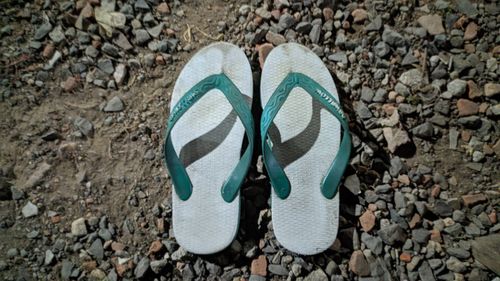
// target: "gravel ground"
[[84, 93]]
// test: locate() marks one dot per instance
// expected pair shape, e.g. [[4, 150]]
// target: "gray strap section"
[[208, 142], [291, 150]]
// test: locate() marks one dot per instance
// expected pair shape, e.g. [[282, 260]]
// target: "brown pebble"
[[435, 191], [471, 31], [473, 90], [405, 257], [474, 199], [359, 15], [493, 217], [367, 220], [415, 220], [70, 84], [259, 266], [48, 51], [466, 107], [264, 50], [155, 247], [436, 236], [466, 135], [328, 14], [163, 9]]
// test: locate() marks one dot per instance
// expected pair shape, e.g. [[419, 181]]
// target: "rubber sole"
[[205, 223], [306, 222]]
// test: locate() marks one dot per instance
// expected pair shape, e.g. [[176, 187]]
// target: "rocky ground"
[[84, 92]]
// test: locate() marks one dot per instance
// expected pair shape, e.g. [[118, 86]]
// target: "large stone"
[[466, 107], [432, 23], [114, 105], [317, 275], [392, 234], [78, 227], [367, 220], [471, 200], [395, 138], [486, 250], [37, 176], [358, 264], [259, 266], [491, 89], [141, 268], [30, 210], [412, 78]]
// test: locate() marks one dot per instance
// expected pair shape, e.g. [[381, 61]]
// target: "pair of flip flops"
[[305, 146]]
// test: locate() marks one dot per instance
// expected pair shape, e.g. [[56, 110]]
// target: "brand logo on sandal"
[[328, 98]]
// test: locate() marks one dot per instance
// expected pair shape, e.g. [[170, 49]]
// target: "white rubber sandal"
[[304, 149], [209, 119]]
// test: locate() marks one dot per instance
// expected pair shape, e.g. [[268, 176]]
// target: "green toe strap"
[[279, 180], [180, 178]]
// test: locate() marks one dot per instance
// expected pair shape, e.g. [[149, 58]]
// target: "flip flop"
[[304, 152], [209, 119]]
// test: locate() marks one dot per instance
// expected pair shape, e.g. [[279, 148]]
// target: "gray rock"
[[42, 31], [84, 126], [380, 95], [317, 275], [392, 234], [396, 166], [442, 209], [315, 33], [156, 30], [78, 227], [412, 78], [57, 35], [141, 5], [457, 87], [110, 49], [49, 257], [455, 265], [425, 130], [486, 250], [331, 268], [97, 250], [466, 7], [303, 27], [141, 36], [277, 269], [157, 266], [141, 268], [375, 25], [257, 278], [409, 59], [180, 254], [120, 73], [458, 253], [425, 272], [66, 269], [12, 252], [91, 51], [420, 235], [244, 10], [363, 111], [114, 105], [381, 49], [106, 65], [399, 200], [366, 94], [373, 243], [105, 234], [338, 57], [352, 183], [30, 210], [286, 21], [393, 38], [52, 62]]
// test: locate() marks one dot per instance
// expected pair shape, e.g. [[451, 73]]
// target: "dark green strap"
[[182, 183], [279, 180]]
